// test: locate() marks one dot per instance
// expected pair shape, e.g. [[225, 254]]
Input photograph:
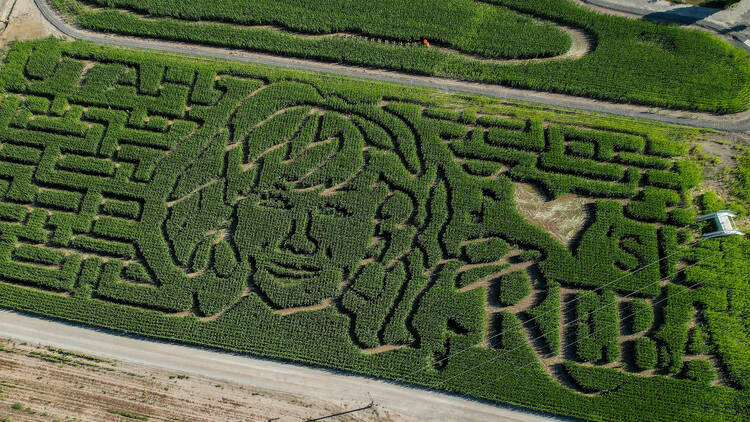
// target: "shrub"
[[645, 353], [529, 255], [642, 315], [514, 287], [487, 251], [710, 202], [698, 344], [598, 330], [700, 370], [547, 316]]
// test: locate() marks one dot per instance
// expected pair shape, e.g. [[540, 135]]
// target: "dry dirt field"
[[25, 23], [38, 383]]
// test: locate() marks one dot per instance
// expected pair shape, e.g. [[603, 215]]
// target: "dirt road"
[[311, 383]]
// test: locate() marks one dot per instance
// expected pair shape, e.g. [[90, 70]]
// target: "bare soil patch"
[[27, 23], [38, 383], [563, 217], [718, 151]]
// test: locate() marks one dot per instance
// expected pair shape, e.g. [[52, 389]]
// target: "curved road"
[[739, 122]]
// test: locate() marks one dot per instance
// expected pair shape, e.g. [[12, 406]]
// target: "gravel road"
[[295, 379]]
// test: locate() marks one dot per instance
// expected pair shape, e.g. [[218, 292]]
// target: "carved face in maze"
[[308, 219], [289, 208], [302, 242]]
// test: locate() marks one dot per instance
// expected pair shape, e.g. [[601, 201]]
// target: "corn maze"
[[543, 45], [359, 227]]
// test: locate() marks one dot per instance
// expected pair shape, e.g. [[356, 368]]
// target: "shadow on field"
[[687, 15]]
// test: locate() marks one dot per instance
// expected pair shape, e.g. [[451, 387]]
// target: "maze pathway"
[[278, 215]]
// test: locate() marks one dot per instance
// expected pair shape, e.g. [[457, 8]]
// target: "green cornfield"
[[370, 228], [545, 45]]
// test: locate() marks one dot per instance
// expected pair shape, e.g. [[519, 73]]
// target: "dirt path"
[[308, 385], [739, 122]]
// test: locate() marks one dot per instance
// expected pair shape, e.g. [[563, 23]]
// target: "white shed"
[[724, 224]]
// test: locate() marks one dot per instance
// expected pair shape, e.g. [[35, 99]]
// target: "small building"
[[723, 222]]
